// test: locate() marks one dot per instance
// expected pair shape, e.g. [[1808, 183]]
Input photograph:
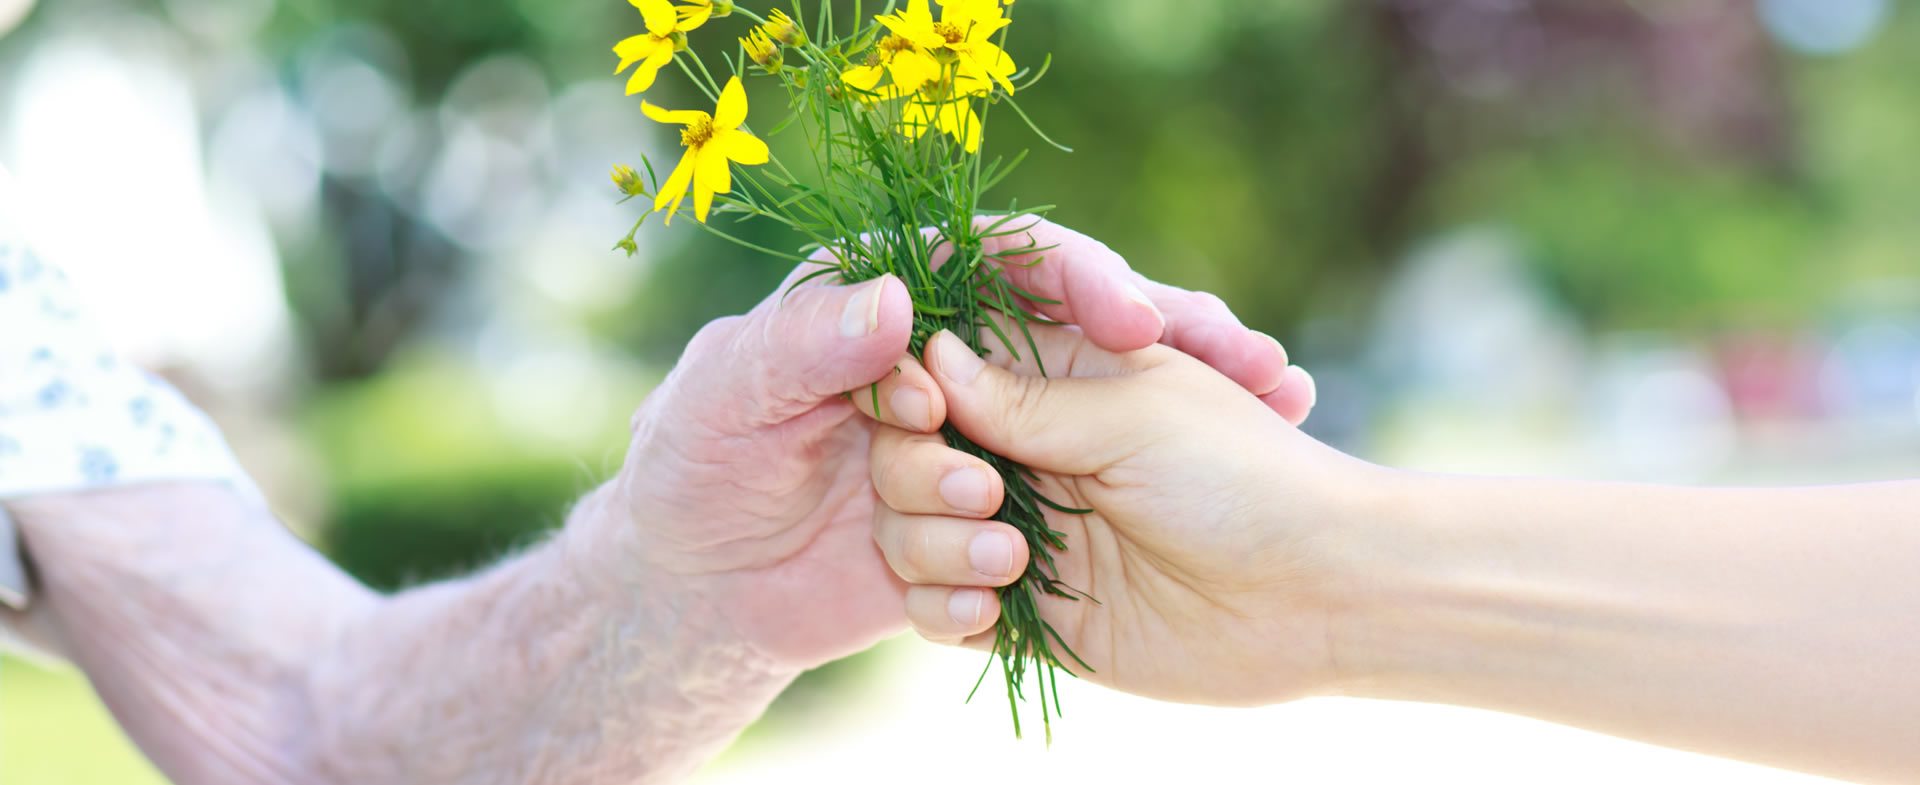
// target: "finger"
[[931, 549], [1201, 325], [1065, 424], [1119, 309], [801, 346], [1295, 397], [906, 398], [919, 474], [1089, 284], [946, 614]]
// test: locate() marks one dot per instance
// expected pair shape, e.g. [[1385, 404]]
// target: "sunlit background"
[[1644, 239]]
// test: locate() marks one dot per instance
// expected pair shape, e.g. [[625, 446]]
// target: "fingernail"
[[957, 362], [862, 314], [1277, 348], [912, 408], [965, 606], [1131, 291], [966, 490], [991, 554]]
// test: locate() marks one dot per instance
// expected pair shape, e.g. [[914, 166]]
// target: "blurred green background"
[[1668, 238]]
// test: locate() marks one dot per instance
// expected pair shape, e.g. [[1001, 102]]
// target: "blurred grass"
[[53, 731]]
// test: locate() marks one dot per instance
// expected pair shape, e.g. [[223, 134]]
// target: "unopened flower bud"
[[627, 180], [763, 50], [782, 28]]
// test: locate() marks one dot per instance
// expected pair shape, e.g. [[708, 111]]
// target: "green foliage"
[[407, 532], [1636, 240], [430, 478]]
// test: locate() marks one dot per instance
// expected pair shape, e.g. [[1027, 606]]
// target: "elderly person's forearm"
[[557, 666], [573, 663]]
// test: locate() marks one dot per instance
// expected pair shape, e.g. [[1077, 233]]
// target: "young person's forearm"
[[1779, 626], [232, 653]]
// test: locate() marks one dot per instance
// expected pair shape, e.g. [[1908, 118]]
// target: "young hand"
[[1206, 571]]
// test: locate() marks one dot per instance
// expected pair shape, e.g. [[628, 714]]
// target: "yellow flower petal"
[[919, 29], [958, 119], [712, 170], [675, 188], [649, 68], [659, 15], [634, 48], [976, 19], [993, 62], [662, 115], [913, 70], [711, 176], [918, 13], [742, 147], [863, 77], [897, 26], [915, 120], [691, 17], [732, 108]]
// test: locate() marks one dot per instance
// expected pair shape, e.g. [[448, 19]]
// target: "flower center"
[[893, 44], [697, 133], [949, 31]]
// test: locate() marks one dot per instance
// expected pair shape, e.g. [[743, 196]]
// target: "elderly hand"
[[1204, 565], [748, 471]]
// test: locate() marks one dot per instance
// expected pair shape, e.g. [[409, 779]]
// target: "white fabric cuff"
[[73, 414]]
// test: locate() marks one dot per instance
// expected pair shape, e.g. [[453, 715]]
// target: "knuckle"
[[889, 532], [714, 336], [916, 555], [1211, 303], [893, 459], [886, 481], [907, 550]]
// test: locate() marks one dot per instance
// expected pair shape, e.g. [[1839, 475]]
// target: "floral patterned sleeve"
[[73, 414]]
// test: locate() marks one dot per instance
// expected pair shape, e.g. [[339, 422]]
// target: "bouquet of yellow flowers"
[[893, 108]]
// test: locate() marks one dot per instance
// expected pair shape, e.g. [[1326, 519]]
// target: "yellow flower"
[[919, 48], [782, 28], [654, 48], [712, 142], [910, 66], [953, 116], [762, 50], [697, 12]]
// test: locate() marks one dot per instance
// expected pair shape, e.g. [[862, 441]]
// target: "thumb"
[[804, 346], [1061, 424]]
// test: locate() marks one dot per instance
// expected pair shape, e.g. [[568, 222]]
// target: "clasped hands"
[[1162, 413]]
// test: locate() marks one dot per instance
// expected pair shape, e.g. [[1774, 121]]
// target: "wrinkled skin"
[[749, 463]]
